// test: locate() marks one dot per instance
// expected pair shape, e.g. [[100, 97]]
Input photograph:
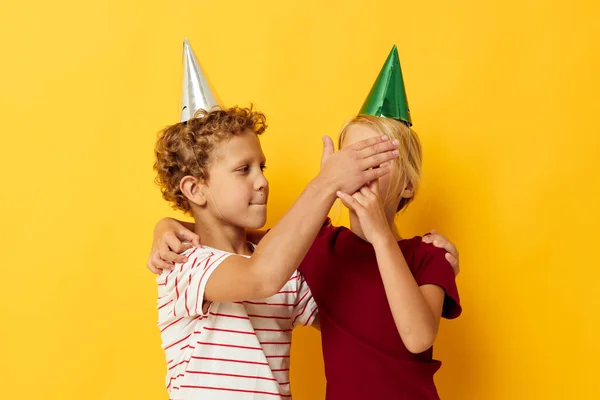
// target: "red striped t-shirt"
[[227, 350]]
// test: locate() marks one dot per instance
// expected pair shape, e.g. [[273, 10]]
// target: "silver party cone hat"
[[197, 93]]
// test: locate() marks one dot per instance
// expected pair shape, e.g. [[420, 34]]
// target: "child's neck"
[[213, 233], [357, 229]]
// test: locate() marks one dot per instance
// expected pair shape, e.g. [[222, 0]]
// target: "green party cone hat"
[[387, 97]]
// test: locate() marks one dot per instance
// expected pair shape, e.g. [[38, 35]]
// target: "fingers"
[[376, 173], [187, 239], [172, 248], [440, 240], [443, 243], [327, 149], [196, 242], [156, 264], [171, 257], [360, 199], [454, 263], [188, 236], [363, 144], [374, 186], [168, 252], [379, 146], [167, 256], [378, 159], [366, 144], [152, 268], [349, 201], [367, 193], [345, 203], [164, 258]]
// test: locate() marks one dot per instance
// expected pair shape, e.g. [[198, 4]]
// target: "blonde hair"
[[408, 164]]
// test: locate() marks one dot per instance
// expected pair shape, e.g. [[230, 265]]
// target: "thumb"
[[374, 186], [327, 149], [189, 236], [346, 200]]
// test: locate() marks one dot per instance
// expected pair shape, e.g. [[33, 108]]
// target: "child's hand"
[[328, 150], [168, 243], [442, 242], [353, 166], [367, 205]]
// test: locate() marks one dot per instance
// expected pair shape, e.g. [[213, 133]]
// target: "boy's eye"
[[243, 169], [263, 167]]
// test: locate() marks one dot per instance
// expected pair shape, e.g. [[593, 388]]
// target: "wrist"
[[384, 239], [324, 185], [164, 225]]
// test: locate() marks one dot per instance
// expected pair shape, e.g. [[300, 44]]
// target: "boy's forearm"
[[412, 314], [281, 250]]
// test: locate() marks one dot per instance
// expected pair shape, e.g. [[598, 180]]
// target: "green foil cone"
[[387, 97]]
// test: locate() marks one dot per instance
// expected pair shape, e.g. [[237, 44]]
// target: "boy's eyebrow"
[[249, 159]]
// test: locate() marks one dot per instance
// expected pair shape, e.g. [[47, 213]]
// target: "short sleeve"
[[434, 269], [305, 308], [181, 290], [324, 241]]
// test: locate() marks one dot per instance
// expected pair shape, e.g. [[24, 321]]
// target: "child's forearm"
[[168, 224], [414, 318], [281, 250]]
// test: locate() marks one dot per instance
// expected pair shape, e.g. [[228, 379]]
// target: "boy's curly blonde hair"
[[185, 148]]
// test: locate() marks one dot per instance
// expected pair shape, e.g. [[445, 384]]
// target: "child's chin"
[[257, 222]]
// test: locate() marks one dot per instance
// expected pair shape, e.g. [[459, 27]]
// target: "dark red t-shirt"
[[364, 355]]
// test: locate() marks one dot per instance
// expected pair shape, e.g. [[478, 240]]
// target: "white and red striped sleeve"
[[181, 290], [305, 308]]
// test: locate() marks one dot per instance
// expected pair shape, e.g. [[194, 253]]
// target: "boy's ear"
[[191, 187], [409, 191]]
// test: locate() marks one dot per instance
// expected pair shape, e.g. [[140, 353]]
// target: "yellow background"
[[504, 95]]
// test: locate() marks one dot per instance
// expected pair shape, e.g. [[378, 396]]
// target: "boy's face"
[[237, 191]]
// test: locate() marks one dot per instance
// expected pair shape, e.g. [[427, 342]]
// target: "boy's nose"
[[261, 183]]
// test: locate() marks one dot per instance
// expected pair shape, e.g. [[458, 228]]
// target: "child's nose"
[[261, 182]]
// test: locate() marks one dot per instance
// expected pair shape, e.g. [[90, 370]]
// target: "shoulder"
[[423, 257], [203, 254], [328, 227], [426, 253], [432, 268], [329, 232]]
